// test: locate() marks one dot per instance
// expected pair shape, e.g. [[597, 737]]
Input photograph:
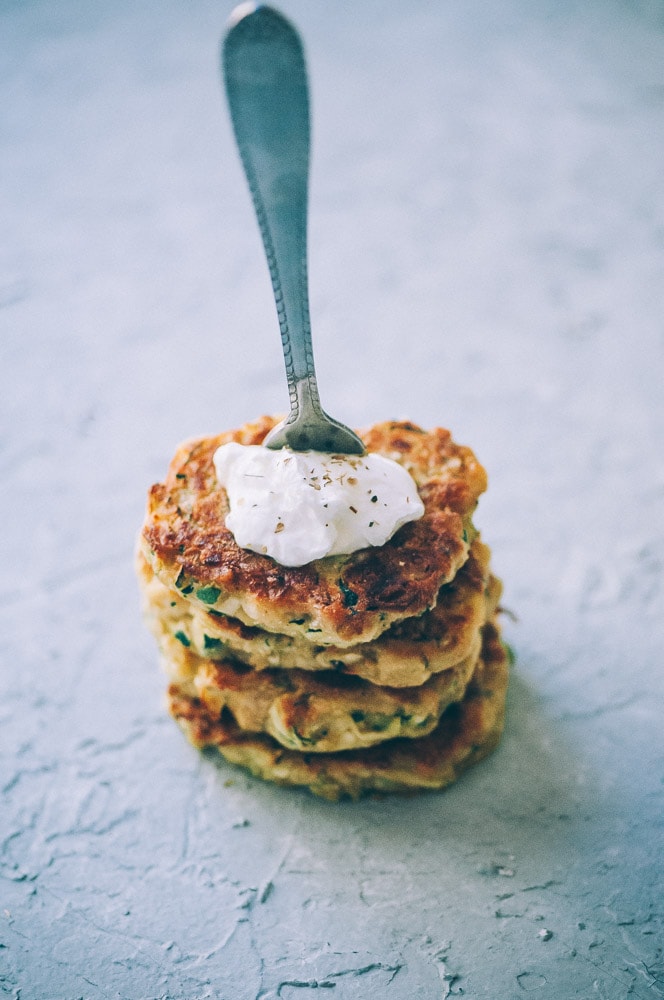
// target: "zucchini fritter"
[[321, 712], [468, 731], [407, 654], [338, 600]]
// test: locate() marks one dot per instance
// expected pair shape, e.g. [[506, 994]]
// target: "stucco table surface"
[[487, 243]]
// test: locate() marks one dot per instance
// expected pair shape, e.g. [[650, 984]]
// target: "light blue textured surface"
[[487, 253]]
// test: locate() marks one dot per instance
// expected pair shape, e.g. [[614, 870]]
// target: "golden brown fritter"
[[468, 731], [407, 654], [338, 600], [322, 712]]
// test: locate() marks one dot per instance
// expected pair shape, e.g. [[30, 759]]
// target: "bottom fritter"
[[468, 731]]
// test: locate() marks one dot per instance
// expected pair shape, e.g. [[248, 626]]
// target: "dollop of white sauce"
[[300, 506]]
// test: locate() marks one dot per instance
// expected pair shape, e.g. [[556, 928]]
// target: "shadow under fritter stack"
[[378, 671]]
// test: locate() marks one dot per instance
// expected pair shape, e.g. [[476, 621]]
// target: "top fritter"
[[338, 599]]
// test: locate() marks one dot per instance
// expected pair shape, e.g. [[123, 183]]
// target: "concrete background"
[[487, 253]]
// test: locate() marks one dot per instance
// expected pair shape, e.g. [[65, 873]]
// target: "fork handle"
[[266, 86]]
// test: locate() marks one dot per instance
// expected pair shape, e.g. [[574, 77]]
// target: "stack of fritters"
[[380, 670]]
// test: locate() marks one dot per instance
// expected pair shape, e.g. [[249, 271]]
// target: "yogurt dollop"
[[300, 506]]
